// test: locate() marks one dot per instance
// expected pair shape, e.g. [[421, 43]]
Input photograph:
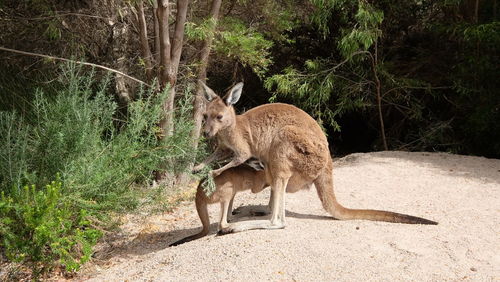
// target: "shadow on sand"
[[145, 243]]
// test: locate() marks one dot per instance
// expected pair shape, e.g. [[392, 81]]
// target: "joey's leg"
[[277, 217], [263, 210]]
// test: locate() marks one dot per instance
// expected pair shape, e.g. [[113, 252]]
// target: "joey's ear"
[[234, 94], [208, 93]]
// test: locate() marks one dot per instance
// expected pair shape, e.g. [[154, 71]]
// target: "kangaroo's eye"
[[219, 117]]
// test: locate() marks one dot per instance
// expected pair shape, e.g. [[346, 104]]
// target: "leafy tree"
[[346, 83]]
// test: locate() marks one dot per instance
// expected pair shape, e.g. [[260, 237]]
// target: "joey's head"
[[219, 112]]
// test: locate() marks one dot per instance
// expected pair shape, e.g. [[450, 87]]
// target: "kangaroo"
[[249, 176], [292, 147]]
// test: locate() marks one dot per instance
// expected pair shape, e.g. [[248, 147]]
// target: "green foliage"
[[208, 183], [475, 80], [202, 30], [236, 40], [488, 34], [53, 32], [40, 227], [325, 12], [321, 89], [365, 32], [76, 134], [326, 88], [279, 19]]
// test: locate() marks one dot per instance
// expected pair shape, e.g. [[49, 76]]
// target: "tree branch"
[[182, 7], [76, 62]]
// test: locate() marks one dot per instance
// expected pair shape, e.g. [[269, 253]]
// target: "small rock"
[[473, 269], [357, 227]]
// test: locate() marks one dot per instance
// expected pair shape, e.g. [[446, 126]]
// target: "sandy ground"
[[461, 193]]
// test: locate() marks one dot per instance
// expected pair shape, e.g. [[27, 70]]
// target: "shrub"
[[76, 133], [75, 130], [38, 226]]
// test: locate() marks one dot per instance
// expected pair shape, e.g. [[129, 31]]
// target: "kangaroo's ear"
[[234, 94], [208, 93]]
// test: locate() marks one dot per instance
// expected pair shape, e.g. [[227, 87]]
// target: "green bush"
[[39, 227], [75, 130], [77, 133]]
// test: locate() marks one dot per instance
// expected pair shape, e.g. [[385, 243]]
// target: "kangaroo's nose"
[[206, 134]]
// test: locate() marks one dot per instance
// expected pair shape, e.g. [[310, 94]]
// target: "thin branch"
[[428, 133], [415, 87], [76, 62], [397, 106], [346, 60], [379, 96], [61, 15]]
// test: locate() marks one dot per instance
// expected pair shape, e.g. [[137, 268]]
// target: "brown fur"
[[292, 147], [228, 183]]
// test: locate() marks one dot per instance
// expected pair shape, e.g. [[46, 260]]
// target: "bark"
[[170, 55], [182, 7], [165, 59], [202, 76], [143, 38], [169, 66], [120, 41], [156, 51], [163, 11]]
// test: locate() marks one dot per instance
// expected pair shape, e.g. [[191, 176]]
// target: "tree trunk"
[[156, 51], [170, 55], [198, 103], [163, 11], [169, 60], [202, 76], [165, 61], [120, 41], [143, 38]]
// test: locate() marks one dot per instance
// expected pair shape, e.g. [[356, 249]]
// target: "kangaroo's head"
[[219, 112]]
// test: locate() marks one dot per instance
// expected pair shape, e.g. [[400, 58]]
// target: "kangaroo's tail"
[[324, 187], [202, 208]]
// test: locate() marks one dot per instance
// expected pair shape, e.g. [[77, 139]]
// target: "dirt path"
[[461, 193]]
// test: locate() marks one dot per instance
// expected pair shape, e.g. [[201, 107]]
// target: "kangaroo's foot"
[[250, 225]]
